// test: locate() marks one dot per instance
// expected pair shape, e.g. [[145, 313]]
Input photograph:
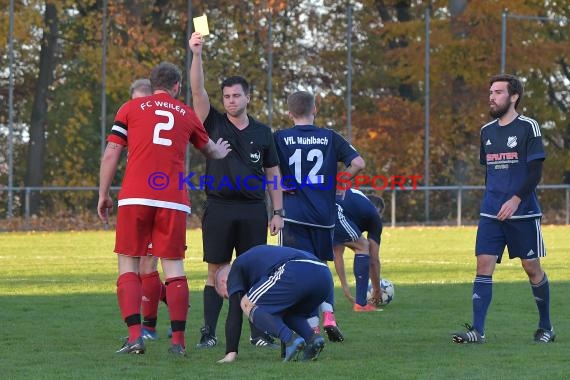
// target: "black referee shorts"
[[227, 226]]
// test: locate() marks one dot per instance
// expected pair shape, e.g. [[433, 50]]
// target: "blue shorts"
[[345, 230], [318, 241], [297, 287], [522, 237]]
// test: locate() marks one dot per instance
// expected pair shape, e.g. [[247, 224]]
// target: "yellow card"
[[201, 25]]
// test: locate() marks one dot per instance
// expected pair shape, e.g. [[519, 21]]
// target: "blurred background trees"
[[302, 44]]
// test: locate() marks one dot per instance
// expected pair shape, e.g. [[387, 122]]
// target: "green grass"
[[60, 317]]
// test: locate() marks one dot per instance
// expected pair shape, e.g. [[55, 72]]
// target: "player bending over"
[[356, 213], [278, 288]]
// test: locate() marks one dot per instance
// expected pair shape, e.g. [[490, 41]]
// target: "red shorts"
[[138, 226]]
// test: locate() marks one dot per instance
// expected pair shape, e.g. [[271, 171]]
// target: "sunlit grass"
[[61, 320]]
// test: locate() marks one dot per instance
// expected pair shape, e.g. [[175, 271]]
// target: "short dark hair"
[[301, 103], [236, 79], [142, 84], [165, 76], [514, 85]]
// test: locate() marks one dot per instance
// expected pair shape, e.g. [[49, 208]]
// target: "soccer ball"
[[386, 292]]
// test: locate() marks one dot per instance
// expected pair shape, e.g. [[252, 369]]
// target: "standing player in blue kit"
[[308, 157], [513, 153]]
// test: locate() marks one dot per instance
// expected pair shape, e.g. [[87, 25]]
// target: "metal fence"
[[451, 205], [557, 214]]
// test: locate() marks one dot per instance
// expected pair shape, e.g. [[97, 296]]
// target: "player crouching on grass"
[[278, 288]]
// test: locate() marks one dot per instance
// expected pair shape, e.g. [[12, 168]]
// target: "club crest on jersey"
[[255, 157], [512, 141]]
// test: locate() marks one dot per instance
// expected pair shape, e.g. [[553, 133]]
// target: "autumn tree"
[[303, 45]]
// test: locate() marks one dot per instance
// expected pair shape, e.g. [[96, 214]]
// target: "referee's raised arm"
[[200, 99]]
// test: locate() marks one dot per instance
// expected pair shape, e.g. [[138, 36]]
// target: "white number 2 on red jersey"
[[156, 139]]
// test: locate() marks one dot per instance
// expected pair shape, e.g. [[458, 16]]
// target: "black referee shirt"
[[239, 176]]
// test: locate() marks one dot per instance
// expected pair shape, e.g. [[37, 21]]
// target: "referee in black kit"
[[236, 214]]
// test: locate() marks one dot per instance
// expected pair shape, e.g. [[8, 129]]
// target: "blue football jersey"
[[506, 151], [357, 208], [308, 158], [259, 261]]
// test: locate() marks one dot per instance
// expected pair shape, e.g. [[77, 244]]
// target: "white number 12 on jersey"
[[314, 155]]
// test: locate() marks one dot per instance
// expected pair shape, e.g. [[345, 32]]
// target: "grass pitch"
[[60, 318]]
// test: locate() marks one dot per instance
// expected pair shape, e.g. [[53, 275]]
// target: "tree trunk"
[[36, 146]]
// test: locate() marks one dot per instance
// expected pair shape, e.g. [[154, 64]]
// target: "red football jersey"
[[156, 131]]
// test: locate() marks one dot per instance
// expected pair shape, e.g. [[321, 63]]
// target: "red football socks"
[[129, 295]]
